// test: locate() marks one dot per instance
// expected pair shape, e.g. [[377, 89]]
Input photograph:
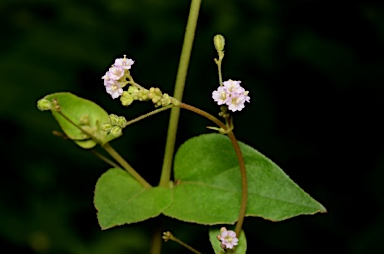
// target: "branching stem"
[[229, 132], [108, 148]]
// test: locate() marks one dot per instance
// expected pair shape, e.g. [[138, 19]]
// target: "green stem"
[[112, 152], [105, 159], [244, 184], [125, 165], [148, 114], [218, 63], [169, 236], [178, 92], [156, 240]]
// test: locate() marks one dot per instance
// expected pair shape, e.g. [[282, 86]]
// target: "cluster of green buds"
[[160, 99], [134, 93], [115, 125]]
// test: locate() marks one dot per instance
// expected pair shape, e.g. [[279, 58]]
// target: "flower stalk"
[[178, 92]]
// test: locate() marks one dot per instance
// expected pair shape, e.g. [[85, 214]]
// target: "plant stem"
[[156, 240], [244, 184], [125, 165], [148, 114], [169, 236], [178, 92], [112, 152], [218, 63], [103, 158]]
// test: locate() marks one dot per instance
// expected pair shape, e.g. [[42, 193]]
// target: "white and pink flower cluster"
[[115, 77], [228, 238], [231, 94]]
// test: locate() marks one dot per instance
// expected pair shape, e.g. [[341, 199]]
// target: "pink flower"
[[233, 86], [107, 79], [124, 63], [231, 94], [228, 238], [114, 90], [220, 96], [115, 79], [116, 72]]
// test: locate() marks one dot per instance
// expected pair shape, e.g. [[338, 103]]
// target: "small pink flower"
[[107, 79], [233, 86], [114, 90], [228, 238], [124, 63], [236, 102], [116, 72], [220, 96], [231, 94]]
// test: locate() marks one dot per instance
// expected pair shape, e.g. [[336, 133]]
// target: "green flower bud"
[[219, 43], [116, 131], [126, 98], [132, 89], [113, 119], [106, 127], [44, 104], [121, 121]]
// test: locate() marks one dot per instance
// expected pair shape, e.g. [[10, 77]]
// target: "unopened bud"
[[106, 127], [121, 121], [219, 43], [113, 119], [126, 98], [116, 131], [44, 104]]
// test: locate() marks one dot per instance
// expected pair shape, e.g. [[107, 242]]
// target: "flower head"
[[231, 94], [228, 238], [115, 77]]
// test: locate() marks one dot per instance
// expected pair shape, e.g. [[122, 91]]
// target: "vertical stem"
[[178, 92], [156, 240]]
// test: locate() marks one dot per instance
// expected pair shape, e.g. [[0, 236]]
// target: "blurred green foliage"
[[315, 72]]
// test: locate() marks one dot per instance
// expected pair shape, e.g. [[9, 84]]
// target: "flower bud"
[[116, 131], [219, 43], [106, 127], [44, 104], [113, 119], [121, 121], [126, 99]]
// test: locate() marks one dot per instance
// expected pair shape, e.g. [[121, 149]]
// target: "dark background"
[[315, 72]]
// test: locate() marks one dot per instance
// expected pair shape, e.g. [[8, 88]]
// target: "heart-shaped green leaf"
[[84, 113], [241, 247], [120, 199], [208, 185]]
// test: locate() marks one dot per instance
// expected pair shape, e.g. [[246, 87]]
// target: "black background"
[[315, 72]]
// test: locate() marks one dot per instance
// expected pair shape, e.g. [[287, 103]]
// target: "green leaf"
[[120, 199], [76, 109], [241, 248], [208, 185]]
